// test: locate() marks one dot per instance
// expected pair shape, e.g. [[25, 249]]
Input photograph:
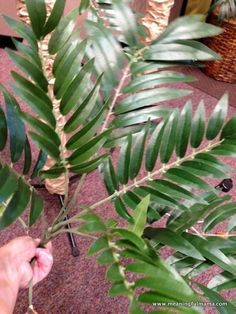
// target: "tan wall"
[[7, 7]]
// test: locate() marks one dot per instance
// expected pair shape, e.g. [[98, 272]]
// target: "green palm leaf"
[[63, 31], [37, 14], [15, 195]]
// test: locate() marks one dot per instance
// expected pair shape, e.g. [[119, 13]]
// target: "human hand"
[[15, 258], [43, 263]]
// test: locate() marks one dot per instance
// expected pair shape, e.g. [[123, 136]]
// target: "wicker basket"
[[224, 44]]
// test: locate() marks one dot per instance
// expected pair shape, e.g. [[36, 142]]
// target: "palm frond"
[[114, 244], [15, 197], [167, 184]]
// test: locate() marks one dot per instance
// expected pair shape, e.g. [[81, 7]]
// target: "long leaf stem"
[[72, 230], [67, 206], [116, 95], [152, 175], [71, 203]]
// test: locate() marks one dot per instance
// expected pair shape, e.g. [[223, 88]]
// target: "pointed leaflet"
[[200, 168], [148, 98], [117, 135], [92, 222], [52, 173], [42, 128], [158, 197], [117, 289], [176, 191], [98, 245], [63, 53], [172, 239], [89, 149], [63, 31], [133, 238], [168, 138], [132, 200], [15, 125], [70, 65], [229, 130], [113, 273], [121, 209], [227, 308], [17, 204], [140, 216], [46, 145], [154, 79], [127, 22], [107, 52], [92, 227], [25, 84], [28, 52], [137, 152], [153, 146], [188, 27], [137, 254], [82, 113], [28, 157], [89, 166], [87, 132], [140, 116], [211, 160], [181, 50], [196, 211], [211, 252], [37, 99], [23, 30], [227, 148], [145, 67], [77, 89], [30, 69], [54, 17], [183, 130], [37, 105], [198, 126], [219, 215], [37, 14], [187, 178], [8, 183], [124, 160], [216, 120], [109, 176], [169, 279], [36, 207], [167, 287], [3, 130], [41, 160]]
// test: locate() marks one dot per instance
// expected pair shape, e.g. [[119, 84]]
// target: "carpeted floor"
[[210, 86], [77, 285]]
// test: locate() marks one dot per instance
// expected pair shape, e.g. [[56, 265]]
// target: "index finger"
[[25, 247]]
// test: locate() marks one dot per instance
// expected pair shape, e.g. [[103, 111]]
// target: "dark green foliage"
[[16, 194], [113, 97], [15, 126]]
